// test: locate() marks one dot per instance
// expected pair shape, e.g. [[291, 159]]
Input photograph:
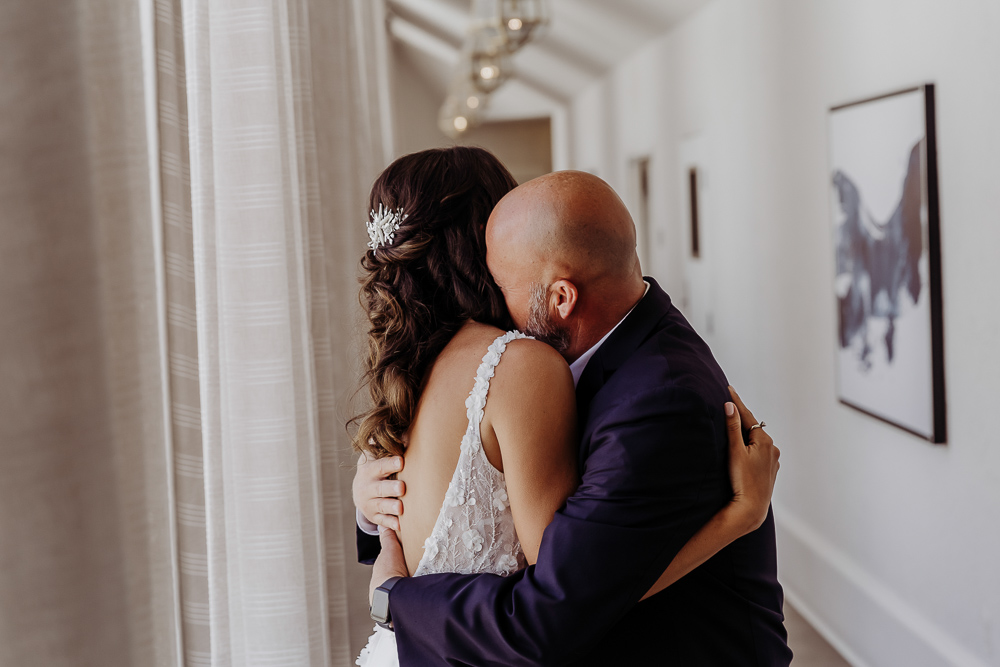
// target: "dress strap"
[[476, 402]]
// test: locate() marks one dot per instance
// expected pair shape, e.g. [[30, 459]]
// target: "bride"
[[485, 416]]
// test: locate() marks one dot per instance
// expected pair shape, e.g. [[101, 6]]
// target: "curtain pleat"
[[119, 169], [180, 321]]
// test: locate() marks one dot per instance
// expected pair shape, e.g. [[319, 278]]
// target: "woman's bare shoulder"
[[524, 360], [530, 366], [528, 354]]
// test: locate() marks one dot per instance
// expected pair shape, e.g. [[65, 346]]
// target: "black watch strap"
[[380, 603]]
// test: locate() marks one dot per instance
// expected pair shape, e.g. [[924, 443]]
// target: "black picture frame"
[[879, 281]]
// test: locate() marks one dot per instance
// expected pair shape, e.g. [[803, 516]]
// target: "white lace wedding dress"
[[474, 530]]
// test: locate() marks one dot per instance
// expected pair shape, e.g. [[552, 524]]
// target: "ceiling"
[[585, 39]]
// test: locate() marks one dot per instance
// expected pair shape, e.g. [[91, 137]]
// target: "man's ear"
[[562, 299]]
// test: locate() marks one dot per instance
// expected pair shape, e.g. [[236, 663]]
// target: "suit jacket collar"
[[626, 339]]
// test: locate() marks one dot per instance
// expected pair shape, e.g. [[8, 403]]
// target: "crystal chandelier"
[[489, 57], [520, 19], [498, 29]]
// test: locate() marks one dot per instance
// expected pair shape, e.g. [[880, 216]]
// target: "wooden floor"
[[808, 646]]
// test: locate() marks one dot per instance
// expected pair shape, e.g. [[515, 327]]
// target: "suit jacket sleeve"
[[369, 547], [653, 475]]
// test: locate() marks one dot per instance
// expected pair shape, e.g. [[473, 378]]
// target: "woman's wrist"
[[742, 515]]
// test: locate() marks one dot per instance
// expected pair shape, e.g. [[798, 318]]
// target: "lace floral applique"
[[507, 564], [430, 548], [500, 499], [473, 540]]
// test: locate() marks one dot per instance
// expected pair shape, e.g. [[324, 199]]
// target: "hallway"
[[714, 121]]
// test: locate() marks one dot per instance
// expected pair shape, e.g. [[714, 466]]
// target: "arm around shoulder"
[[647, 485]]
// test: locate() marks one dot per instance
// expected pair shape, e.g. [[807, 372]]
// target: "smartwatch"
[[380, 603]]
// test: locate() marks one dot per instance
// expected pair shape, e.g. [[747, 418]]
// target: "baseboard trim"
[[876, 611], [821, 626]]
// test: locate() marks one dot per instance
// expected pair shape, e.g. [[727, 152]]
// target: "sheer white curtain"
[[227, 148], [253, 412], [254, 214]]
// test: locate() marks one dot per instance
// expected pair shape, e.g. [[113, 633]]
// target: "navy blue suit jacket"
[[653, 462]]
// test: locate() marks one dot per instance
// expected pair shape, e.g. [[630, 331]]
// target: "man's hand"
[[375, 494], [390, 563], [753, 467]]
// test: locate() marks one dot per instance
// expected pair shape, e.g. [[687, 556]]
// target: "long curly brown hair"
[[419, 289]]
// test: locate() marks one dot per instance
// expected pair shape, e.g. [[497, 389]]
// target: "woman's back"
[[436, 438], [458, 515]]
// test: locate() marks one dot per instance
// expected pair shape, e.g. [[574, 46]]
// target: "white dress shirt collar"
[[577, 367]]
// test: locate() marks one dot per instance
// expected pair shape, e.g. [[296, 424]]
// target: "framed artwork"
[[890, 352]]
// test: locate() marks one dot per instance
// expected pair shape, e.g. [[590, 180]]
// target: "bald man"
[[653, 463]]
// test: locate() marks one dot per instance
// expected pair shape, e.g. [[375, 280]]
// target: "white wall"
[[888, 544]]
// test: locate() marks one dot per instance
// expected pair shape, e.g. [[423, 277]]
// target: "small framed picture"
[[884, 206]]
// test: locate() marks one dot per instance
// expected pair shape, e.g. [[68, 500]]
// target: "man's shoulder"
[[662, 409], [673, 366]]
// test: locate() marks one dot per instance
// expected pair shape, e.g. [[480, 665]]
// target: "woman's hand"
[[752, 467]]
